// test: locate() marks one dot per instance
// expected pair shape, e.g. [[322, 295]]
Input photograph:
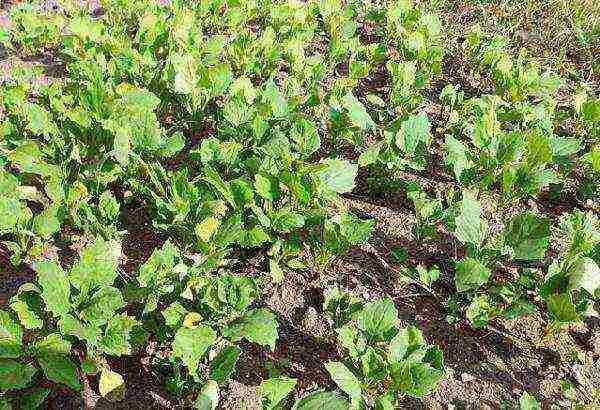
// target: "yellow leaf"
[[206, 228], [192, 320], [112, 385]]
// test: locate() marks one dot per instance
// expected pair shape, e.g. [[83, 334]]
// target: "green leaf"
[[206, 228], [339, 176], [528, 234], [224, 188], [97, 266], [257, 325], [373, 365], [34, 399], [190, 345], [276, 100], [563, 146], [415, 379], [471, 274], [28, 318], [585, 275], [174, 313], [102, 306], [357, 113], [223, 366], [304, 134], [208, 399], [480, 311], [404, 343], [414, 130], [471, 228], [345, 380], [322, 400], [267, 187], [59, 368], [272, 391], [378, 319], [116, 336], [539, 151], [52, 344], [528, 402], [47, 223], [561, 308], [56, 290], [15, 375], [456, 156], [11, 335]]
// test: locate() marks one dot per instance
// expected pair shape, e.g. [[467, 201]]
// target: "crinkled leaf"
[[116, 336], [97, 266], [102, 306]]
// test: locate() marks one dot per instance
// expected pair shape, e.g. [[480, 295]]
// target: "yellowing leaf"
[[205, 229], [111, 385], [192, 320]]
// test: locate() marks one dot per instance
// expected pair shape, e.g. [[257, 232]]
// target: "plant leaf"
[[471, 274], [378, 319], [470, 226], [190, 345], [56, 290], [257, 325], [345, 380]]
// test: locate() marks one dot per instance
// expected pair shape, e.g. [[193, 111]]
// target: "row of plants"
[[240, 126]]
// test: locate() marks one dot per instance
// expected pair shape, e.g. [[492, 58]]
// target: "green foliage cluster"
[[238, 127]]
